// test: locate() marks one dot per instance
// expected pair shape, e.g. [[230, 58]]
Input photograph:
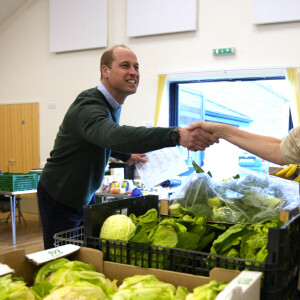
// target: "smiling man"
[[120, 72], [89, 134]]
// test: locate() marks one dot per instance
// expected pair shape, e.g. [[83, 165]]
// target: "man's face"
[[122, 79]]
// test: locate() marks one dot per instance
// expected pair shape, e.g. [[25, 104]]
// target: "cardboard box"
[[23, 267]]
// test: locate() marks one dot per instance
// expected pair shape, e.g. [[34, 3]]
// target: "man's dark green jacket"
[[88, 136]]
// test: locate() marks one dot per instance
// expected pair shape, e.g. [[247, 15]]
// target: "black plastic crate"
[[280, 271], [95, 215]]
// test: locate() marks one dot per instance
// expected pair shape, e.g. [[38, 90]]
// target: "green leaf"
[[48, 268], [206, 240], [188, 240], [197, 168], [231, 237], [149, 219], [42, 290], [140, 236], [181, 293], [164, 236]]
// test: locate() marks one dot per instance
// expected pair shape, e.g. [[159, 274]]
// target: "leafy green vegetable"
[[188, 240], [14, 288], [117, 227], [164, 235], [41, 290], [189, 231], [175, 210], [229, 238], [197, 168], [246, 241], [181, 293], [224, 214], [208, 291], [121, 228], [206, 241], [70, 277], [140, 236], [252, 198], [65, 272], [148, 220], [202, 210], [77, 290], [241, 199], [215, 202], [146, 287], [48, 268]]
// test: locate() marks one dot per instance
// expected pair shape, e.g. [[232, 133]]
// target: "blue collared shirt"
[[111, 100]]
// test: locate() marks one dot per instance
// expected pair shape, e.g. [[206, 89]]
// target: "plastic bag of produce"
[[251, 198], [258, 196], [199, 194]]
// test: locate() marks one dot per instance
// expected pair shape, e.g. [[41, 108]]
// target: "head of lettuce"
[[117, 227]]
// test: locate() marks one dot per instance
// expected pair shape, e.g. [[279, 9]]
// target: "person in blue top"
[[89, 134]]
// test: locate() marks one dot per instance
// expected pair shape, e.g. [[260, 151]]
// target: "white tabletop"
[[17, 192]]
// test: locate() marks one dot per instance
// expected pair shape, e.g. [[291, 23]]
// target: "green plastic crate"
[[14, 182], [38, 175]]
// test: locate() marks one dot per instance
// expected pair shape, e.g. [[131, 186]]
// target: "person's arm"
[[91, 120], [265, 147]]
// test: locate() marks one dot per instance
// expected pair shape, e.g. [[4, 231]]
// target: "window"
[[255, 104]]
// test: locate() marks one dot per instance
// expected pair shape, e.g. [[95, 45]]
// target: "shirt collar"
[[111, 100]]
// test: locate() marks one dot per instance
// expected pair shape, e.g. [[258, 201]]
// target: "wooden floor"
[[28, 237]]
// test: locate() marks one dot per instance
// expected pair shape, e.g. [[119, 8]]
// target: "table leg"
[[13, 217]]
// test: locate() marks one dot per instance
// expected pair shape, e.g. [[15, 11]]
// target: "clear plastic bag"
[[251, 198]]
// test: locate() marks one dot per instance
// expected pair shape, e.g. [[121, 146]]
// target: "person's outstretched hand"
[[136, 158], [204, 125], [195, 138], [211, 127]]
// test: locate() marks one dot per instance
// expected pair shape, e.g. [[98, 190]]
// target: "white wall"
[[29, 72]]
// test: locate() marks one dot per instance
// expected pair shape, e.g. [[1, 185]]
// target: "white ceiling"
[[8, 7]]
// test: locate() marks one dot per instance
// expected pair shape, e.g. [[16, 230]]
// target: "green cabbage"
[[117, 227]]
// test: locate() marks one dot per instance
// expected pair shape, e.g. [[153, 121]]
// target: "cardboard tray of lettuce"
[[252, 197], [84, 275]]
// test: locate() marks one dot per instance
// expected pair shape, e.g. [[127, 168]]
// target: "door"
[[19, 137]]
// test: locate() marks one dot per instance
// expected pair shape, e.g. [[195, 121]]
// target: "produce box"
[[13, 182], [280, 270], [245, 285]]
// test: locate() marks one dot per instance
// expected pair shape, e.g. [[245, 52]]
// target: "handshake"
[[199, 135]]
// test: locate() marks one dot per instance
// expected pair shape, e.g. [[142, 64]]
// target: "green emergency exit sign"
[[218, 51]]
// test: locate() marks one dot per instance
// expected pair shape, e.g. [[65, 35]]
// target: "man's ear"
[[104, 71]]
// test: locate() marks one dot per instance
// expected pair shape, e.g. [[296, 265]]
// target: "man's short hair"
[[108, 57]]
